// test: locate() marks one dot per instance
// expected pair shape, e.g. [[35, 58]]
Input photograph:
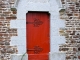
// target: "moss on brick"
[[13, 9], [62, 10]]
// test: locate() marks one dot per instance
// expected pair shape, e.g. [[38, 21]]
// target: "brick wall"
[[6, 15], [71, 14]]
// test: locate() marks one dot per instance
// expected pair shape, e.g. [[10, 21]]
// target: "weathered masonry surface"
[[7, 13], [71, 14], [56, 23], [13, 27]]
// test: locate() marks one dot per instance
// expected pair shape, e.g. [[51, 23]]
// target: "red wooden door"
[[38, 40]]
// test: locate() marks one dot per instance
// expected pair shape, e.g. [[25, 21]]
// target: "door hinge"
[[36, 49], [36, 22]]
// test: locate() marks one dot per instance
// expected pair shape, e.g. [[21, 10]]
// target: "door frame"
[[49, 28]]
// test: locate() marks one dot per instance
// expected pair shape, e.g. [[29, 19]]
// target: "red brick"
[[1, 18], [75, 36], [77, 28], [6, 12], [5, 34], [76, 14], [14, 12], [78, 49], [74, 49], [11, 17], [65, 49], [79, 57], [68, 57], [69, 14]]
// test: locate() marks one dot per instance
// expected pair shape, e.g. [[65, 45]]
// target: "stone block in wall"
[[68, 57], [12, 30], [79, 57], [19, 57], [13, 17], [63, 17], [63, 32], [63, 14], [62, 11], [57, 56], [14, 12], [2, 18], [76, 14], [5, 42], [70, 14], [77, 28], [13, 9], [73, 0]]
